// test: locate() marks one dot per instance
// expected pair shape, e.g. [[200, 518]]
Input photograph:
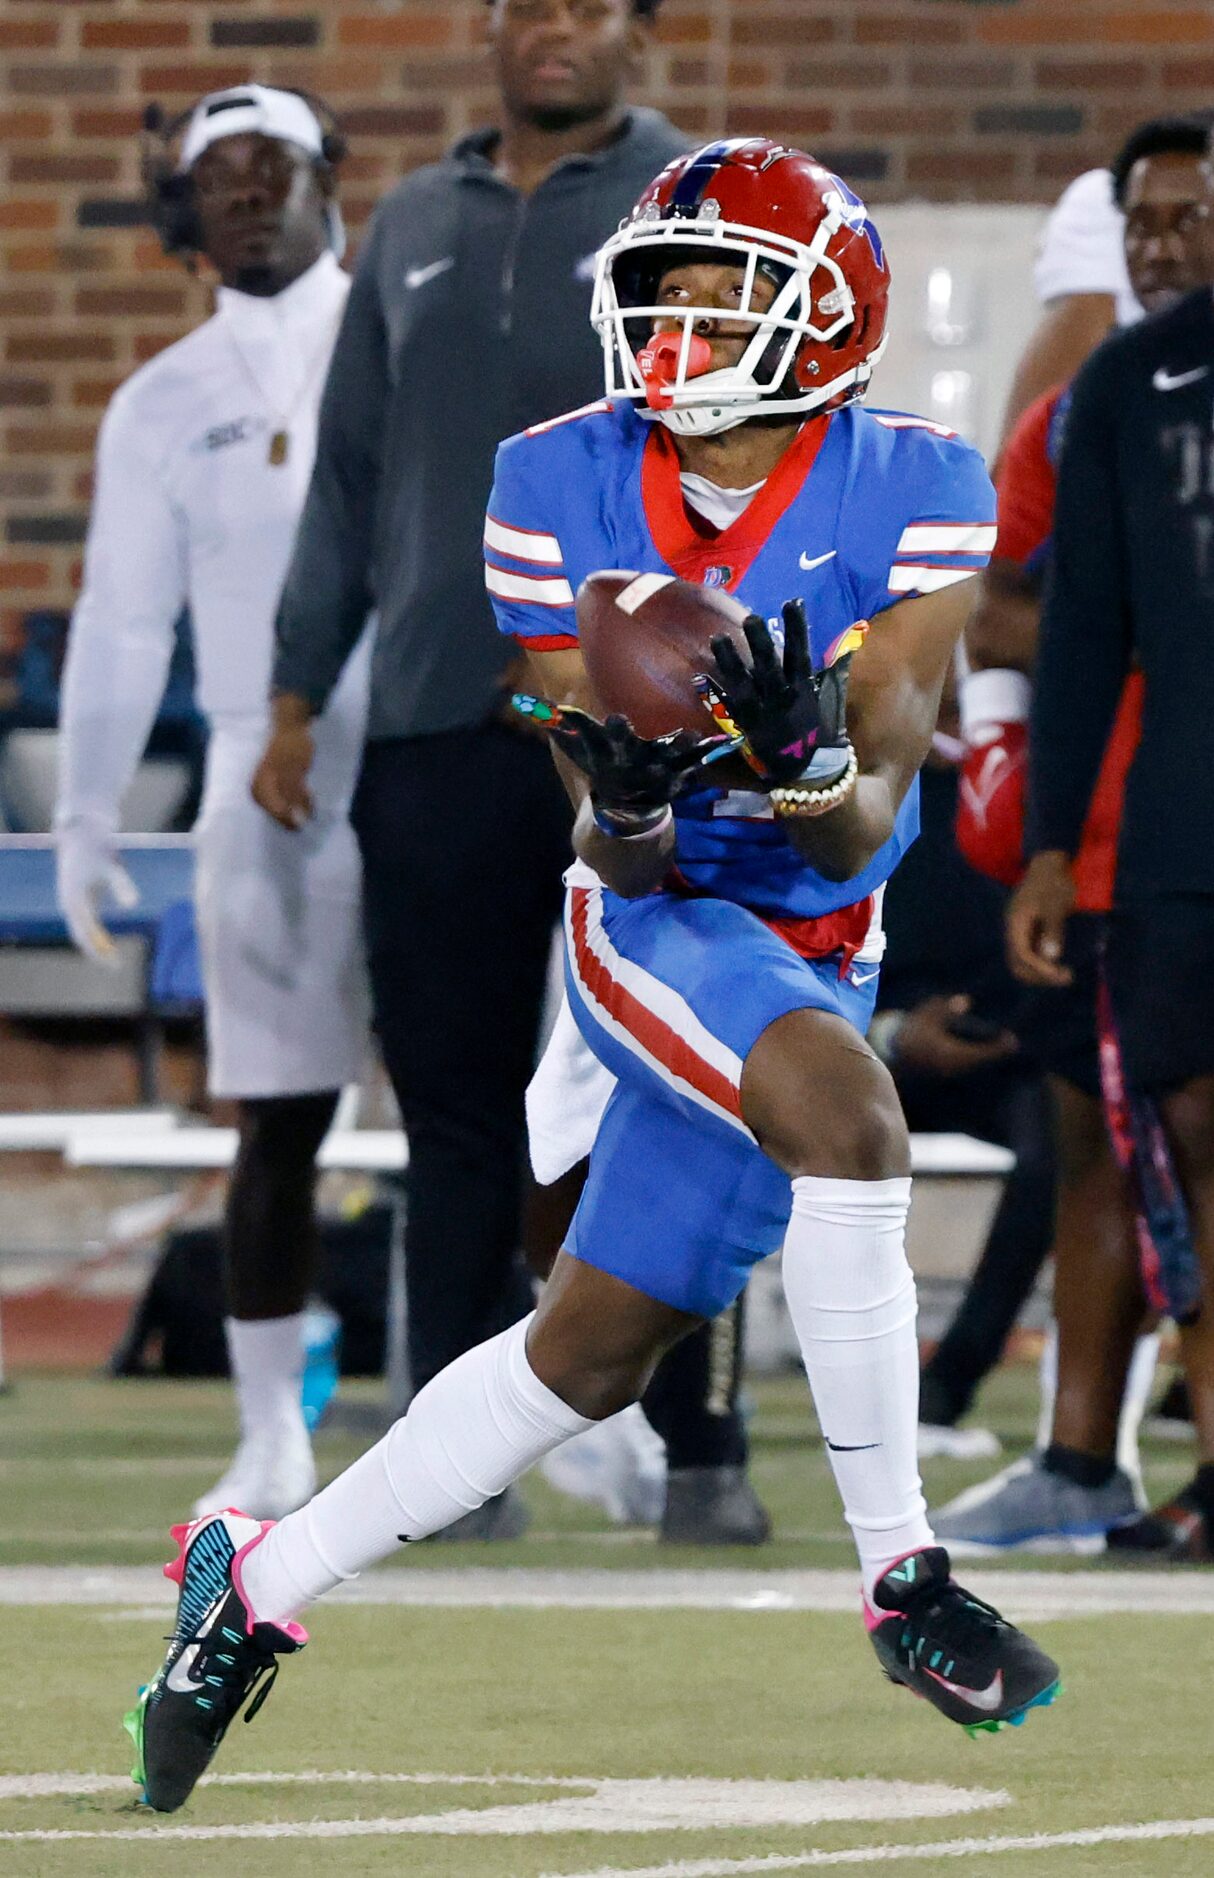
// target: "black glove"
[[632, 779], [789, 715]]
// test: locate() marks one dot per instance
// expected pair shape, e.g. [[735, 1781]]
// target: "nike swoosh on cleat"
[[1164, 380], [818, 559], [986, 1700], [418, 276], [862, 1448]]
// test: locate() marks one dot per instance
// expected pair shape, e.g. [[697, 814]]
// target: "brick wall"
[[944, 99]]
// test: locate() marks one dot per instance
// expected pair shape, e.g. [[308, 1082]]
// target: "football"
[[644, 637]]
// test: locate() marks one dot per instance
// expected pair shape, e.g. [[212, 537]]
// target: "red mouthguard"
[[659, 362]]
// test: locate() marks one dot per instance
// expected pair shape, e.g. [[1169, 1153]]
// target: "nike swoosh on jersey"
[[1164, 380], [863, 979], [818, 559], [418, 276], [987, 1700]]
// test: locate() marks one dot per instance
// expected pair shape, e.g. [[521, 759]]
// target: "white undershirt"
[[720, 507]]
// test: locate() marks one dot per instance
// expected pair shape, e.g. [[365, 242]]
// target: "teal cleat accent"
[[1046, 1699]]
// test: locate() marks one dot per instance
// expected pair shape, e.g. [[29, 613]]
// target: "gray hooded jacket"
[[467, 321]]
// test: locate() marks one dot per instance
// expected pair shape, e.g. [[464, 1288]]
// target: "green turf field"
[[464, 1733]]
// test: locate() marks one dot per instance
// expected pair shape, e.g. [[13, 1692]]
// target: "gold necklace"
[[280, 436]]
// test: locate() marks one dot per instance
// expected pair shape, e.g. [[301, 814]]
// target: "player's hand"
[[88, 872], [280, 781], [629, 775], [1036, 921], [788, 714], [931, 1040]]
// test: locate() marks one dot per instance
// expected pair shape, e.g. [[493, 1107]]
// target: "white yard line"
[[602, 1806], [1031, 1596], [891, 1854]]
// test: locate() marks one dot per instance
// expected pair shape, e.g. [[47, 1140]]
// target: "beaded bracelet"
[[796, 800]]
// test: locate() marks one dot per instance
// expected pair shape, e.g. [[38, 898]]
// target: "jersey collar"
[[722, 558]]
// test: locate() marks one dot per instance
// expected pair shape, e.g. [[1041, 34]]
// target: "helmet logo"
[[848, 204], [710, 210]]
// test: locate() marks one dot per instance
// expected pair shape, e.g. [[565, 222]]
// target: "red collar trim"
[[685, 548]]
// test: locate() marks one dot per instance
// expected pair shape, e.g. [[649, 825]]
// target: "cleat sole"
[[1046, 1699]]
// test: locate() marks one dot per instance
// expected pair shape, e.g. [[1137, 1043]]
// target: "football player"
[[202, 467], [723, 946]]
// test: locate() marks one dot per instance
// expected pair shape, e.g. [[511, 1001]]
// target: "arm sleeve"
[[121, 639], [328, 590], [1081, 249], [933, 523], [525, 570], [1085, 642], [1026, 487]]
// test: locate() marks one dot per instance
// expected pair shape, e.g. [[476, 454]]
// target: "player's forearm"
[[630, 865], [840, 844]]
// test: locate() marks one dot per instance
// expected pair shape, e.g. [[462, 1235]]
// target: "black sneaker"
[[1177, 1533], [712, 1506], [953, 1650], [218, 1655]]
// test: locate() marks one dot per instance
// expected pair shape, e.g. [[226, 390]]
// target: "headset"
[[173, 210]]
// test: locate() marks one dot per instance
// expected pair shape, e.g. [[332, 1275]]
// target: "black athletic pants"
[[1011, 1107], [464, 839]]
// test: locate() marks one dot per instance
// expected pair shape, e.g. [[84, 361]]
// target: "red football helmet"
[[771, 210]]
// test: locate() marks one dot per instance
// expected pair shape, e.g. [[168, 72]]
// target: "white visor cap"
[[246, 108]]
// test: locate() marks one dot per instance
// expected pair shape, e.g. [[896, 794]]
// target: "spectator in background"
[[1085, 1478], [202, 467], [468, 321], [1132, 583], [1083, 286]]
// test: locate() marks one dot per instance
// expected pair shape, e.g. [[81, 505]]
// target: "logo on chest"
[[718, 576], [235, 430]]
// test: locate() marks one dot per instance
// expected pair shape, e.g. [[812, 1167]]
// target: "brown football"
[[643, 639]]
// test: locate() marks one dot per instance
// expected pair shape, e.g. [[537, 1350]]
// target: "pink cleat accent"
[[296, 1632]]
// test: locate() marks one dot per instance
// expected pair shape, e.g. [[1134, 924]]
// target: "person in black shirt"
[[1132, 583]]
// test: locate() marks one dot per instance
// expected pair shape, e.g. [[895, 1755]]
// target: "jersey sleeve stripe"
[[910, 579], [895, 422], [533, 589], [522, 544], [948, 538]]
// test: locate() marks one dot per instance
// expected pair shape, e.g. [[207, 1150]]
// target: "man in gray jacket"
[[468, 321]]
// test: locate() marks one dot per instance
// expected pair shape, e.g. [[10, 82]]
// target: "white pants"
[[280, 917]]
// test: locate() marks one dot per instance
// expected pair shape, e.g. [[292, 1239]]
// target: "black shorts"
[[1056, 1024], [1160, 962]]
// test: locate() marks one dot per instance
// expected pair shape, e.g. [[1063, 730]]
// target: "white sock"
[[851, 1296], [481, 1422], [1047, 1374], [267, 1358], [1138, 1386]]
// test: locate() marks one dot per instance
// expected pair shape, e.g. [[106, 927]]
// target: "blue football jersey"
[[865, 509]]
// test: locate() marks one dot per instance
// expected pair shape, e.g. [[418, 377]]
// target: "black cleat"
[[953, 1650], [713, 1506], [1177, 1533], [218, 1655]]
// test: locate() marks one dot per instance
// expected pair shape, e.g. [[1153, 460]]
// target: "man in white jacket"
[[203, 463]]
